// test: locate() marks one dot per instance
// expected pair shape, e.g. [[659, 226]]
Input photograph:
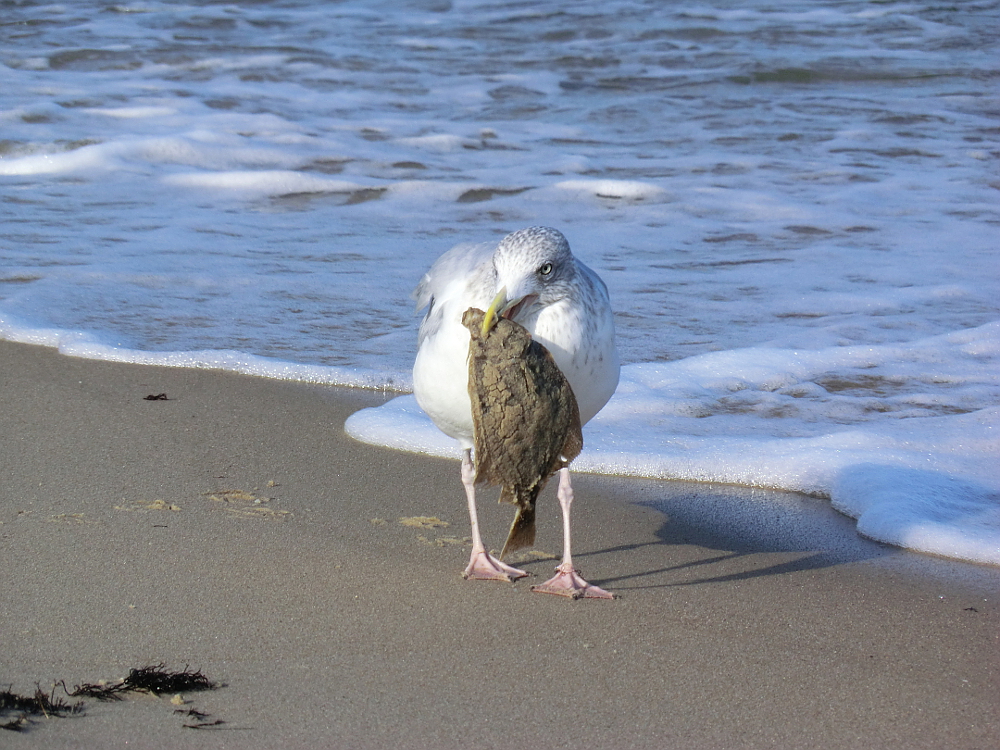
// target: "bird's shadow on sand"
[[713, 534]]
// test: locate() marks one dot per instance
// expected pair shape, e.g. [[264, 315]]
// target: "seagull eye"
[[545, 269]]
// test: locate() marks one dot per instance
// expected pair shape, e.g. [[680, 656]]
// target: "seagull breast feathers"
[[579, 332]]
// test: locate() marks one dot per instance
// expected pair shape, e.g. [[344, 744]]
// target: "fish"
[[526, 421]]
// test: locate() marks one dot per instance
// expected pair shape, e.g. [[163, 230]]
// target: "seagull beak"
[[501, 307], [498, 303]]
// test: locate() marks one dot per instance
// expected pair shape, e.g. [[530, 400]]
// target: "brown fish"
[[526, 423]]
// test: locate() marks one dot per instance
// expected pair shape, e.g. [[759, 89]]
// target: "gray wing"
[[462, 276]]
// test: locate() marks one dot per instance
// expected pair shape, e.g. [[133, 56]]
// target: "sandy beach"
[[232, 527]]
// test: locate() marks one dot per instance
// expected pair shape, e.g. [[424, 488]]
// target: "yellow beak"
[[498, 302]]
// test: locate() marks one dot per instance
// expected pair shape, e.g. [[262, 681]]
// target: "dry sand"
[[236, 529]]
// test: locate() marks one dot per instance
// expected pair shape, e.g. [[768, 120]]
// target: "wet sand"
[[234, 528]]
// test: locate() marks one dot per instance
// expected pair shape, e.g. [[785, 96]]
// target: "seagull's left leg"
[[482, 564], [567, 580]]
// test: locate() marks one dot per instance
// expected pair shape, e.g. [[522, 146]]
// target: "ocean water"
[[795, 206]]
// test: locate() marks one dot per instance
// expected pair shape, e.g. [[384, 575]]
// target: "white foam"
[[132, 112], [628, 190], [86, 346], [262, 182], [88, 157], [441, 142], [929, 511]]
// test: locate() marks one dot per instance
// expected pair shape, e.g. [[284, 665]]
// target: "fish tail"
[[522, 529]]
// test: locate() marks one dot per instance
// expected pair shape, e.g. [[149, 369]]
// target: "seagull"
[[532, 278]]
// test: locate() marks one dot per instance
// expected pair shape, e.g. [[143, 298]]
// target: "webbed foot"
[[567, 582], [484, 567]]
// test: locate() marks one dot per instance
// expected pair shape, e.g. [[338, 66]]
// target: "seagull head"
[[534, 268]]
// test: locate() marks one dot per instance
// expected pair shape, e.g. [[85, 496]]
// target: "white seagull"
[[530, 277]]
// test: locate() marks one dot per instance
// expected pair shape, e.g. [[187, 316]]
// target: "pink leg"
[[567, 580], [482, 565]]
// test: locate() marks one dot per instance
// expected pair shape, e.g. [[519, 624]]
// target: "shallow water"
[[795, 208]]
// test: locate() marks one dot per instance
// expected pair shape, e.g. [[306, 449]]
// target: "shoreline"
[[234, 527]]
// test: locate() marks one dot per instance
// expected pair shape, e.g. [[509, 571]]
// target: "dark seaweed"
[[25, 707], [200, 719], [204, 724], [156, 679], [18, 711], [194, 713]]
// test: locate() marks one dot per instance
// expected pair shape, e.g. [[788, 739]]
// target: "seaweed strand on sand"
[[17, 712], [24, 707], [156, 679]]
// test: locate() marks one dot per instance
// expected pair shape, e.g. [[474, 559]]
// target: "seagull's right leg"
[[567, 580], [482, 564]]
